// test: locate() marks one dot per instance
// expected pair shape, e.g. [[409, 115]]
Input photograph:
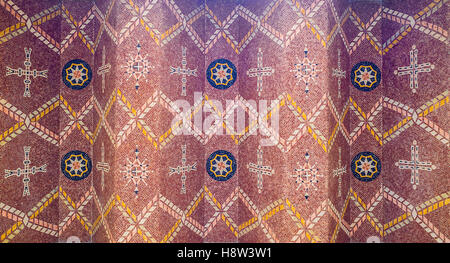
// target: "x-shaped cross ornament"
[[103, 122], [259, 24], [76, 120], [137, 118], [104, 24], [365, 30], [305, 227], [366, 212], [138, 18], [338, 28], [75, 210], [366, 121], [261, 217], [304, 19], [221, 212], [221, 29], [77, 29], [183, 217], [137, 222], [339, 118], [184, 24], [306, 124], [416, 21]]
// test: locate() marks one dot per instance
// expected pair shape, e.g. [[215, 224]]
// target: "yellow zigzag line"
[[163, 139], [429, 206]]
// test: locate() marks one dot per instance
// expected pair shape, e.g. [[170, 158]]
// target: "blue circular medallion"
[[221, 165], [366, 166], [76, 74], [76, 165], [365, 76], [221, 74]]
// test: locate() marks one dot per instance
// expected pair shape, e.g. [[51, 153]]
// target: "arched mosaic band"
[[366, 166], [76, 74], [221, 165], [76, 165], [221, 74], [365, 76]]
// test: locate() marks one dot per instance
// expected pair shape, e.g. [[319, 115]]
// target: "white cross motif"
[[259, 72], [339, 73], [183, 71], [26, 171], [415, 165], [341, 170], [413, 69], [27, 72], [260, 169], [183, 169], [103, 69]]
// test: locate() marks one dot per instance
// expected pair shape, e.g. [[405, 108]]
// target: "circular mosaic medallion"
[[76, 74], [366, 166], [221, 165], [76, 165], [365, 76], [221, 73]]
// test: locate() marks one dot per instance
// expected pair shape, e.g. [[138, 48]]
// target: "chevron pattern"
[[260, 217], [305, 14]]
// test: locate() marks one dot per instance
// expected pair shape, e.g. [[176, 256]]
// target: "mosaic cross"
[[183, 169], [27, 72], [307, 176], [103, 69], [136, 171], [339, 73], [260, 71], [26, 171], [103, 166], [138, 66], [338, 172], [183, 71], [415, 165], [413, 69], [306, 70], [260, 169]]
